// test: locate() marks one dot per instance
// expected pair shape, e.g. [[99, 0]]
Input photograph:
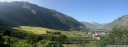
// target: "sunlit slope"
[[40, 30]]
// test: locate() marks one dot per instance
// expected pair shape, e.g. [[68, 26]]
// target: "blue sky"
[[100, 11]]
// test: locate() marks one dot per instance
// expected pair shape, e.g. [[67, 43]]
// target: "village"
[[98, 35]]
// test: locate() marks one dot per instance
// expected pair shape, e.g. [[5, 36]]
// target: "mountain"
[[121, 21], [92, 25], [27, 14]]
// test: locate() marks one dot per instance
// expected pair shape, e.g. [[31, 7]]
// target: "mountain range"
[[28, 14], [121, 21], [93, 26]]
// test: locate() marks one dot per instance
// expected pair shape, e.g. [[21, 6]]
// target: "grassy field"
[[72, 35], [40, 30]]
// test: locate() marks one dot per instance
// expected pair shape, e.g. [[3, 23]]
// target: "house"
[[96, 35]]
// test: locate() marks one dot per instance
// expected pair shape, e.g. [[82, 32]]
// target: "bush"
[[1, 41], [55, 33], [22, 43], [6, 41], [118, 36], [6, 32], [47, 43]]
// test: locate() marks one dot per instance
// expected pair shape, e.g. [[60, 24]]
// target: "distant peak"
[[93, 22]]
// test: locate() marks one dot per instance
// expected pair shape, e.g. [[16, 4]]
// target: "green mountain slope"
[[27, 14], [121, 21]]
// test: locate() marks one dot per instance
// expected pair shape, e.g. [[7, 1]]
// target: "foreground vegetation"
[[26, 36], [118, 36], [19, 38]]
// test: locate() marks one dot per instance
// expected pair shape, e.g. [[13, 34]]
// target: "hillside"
[[40, 31], [93, 26], [27, 14], [28, 36], [121, 21]]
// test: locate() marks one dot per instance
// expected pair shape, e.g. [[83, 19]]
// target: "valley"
[[23, 24], [71, 38]]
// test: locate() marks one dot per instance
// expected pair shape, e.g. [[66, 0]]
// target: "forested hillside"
[[27, 14]]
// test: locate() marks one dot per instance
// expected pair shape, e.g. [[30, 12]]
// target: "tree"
[[1, 41], [118, 36], [7, 32]]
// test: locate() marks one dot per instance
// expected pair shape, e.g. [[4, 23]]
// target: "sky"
[[100, 11]]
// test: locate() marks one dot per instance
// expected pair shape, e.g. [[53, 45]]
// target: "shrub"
[[22, 43], [118, 36], [47, 43], [55, 33], [6, 32], [1, 41]]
